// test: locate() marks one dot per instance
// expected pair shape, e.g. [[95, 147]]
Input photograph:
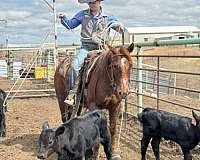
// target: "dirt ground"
[[24, 122], [25, 117]]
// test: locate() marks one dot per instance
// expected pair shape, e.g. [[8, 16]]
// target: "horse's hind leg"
[[66, 111], [60, 88], [63, 109]]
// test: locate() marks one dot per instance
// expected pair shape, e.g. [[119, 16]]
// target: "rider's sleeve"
[[74, 22]]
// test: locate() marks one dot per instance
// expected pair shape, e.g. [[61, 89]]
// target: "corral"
[[25, 116]]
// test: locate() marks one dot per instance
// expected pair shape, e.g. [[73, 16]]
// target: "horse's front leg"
[[113, 116]]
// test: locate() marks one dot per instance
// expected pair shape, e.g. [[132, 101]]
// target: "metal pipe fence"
[[175, 83]]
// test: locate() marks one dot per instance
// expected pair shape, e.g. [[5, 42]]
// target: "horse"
[[107, 85]]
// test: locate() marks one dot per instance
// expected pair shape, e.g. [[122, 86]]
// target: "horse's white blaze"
[[123, 62], [124, 86]]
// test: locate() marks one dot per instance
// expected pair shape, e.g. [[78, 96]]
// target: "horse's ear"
[[131, 47], [110, 47]]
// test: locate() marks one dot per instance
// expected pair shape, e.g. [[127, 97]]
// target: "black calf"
[[2, 114], [182, 130], [75, 139]]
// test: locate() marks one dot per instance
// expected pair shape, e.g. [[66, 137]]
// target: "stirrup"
[[70, 100]]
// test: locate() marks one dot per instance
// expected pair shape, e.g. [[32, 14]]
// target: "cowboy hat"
[[87, 1]]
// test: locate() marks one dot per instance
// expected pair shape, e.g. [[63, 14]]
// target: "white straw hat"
[[87, 1]]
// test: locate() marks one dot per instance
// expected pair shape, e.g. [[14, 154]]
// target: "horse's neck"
[[103, 68], [100, 84]]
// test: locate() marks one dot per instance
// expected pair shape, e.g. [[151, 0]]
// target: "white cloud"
[[14, 14], [33, 18]]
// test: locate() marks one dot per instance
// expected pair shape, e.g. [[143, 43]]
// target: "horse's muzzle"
[[122, 95]]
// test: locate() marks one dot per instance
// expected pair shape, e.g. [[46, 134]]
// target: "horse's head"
[[120, 68]]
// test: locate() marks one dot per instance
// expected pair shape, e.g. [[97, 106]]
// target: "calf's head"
[[48, 140]]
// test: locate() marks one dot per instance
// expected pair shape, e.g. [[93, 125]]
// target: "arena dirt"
[[25, 117], [24, 122]]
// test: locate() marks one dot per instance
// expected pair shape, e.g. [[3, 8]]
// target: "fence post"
[[10, 65], [174, 90], [199, 92], [48, 65], [139, 79], [147, 80], [158, 81]]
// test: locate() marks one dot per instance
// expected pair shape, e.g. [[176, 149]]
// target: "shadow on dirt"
[[26, 142]]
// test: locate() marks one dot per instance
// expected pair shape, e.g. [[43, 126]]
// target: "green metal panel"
[[139, 78], [139, 60], [169, 42], [10, 65], [174, 90]]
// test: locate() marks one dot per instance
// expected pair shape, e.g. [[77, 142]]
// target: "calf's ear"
[[195, 119], [45, 125], [60, 130]]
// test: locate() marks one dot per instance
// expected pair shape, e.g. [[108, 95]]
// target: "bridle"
[[111, 77]]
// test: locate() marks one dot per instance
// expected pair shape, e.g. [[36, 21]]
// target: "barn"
[[163, 33]]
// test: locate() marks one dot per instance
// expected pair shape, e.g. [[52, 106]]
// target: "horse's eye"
[[50, 142]]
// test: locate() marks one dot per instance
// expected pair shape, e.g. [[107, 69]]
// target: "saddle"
[[83, 79], [85, 72]]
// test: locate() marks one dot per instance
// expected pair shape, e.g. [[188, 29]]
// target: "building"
[[139, 34]]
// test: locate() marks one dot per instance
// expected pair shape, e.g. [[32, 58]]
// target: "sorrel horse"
[[107, 85]]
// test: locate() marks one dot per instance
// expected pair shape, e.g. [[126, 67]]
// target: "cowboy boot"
[[71, 98]]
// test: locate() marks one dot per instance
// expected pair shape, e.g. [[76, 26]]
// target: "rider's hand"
[[60, 15], [121, 28]]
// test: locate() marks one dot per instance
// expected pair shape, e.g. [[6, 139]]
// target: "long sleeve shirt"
[[92, 27]]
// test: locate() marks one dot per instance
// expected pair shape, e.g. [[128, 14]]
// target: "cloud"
[[33, 18], [14, 14]]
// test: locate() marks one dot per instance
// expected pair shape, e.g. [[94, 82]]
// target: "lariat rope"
[[29, 66]]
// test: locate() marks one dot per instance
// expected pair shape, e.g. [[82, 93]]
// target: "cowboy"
[[93, 23]]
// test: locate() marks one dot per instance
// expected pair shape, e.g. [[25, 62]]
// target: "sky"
[[29, 21]]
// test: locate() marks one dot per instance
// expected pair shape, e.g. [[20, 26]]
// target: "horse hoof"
[[116, 157]]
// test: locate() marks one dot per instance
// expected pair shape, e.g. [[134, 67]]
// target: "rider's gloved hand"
[[120, 28], [60, 15]]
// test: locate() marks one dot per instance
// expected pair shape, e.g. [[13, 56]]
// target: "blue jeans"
[[77, 63]]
